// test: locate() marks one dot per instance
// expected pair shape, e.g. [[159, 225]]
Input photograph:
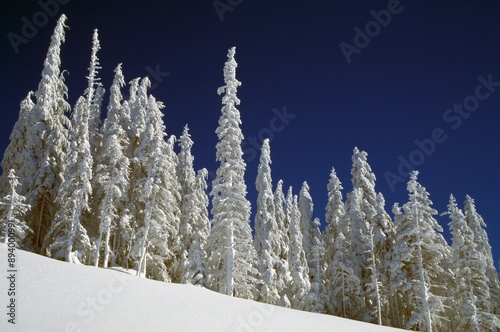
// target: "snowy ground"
[[57, 296]]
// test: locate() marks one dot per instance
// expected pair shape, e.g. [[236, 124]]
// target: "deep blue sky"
[[395, 90]]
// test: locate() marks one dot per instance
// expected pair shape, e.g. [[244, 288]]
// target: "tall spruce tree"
[[47, 143], [472, 296], [477, 225], [112, 174], [67, 238], [231, 255], [266, 230]]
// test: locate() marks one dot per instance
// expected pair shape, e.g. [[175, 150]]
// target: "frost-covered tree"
[[299, 271], [477, 225], [307, 227], [472, 296], [151, 247], [283, 245], [13, 228], [344, 285], [196, 263], [333, 216], [194, 222], [15, 155], [47, 142], [94, 95], [361, 211], [231, 255], [266, 230], [111, 180], [67, 238], [419, 266], [316, 299]]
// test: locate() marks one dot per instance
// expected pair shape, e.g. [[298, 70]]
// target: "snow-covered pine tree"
[[477, 225], [194, 222], [334, 213], [420, 263], [13, 228], [266, 230], [316, 299], [67, 239], [111, 181], [307, 228], [197, 266], [15, 155], [283, 245], [47, 142], [345, 287], [361, 210], [151, 247], [472, 295], [299, 271], [94, 95], [232, 257]]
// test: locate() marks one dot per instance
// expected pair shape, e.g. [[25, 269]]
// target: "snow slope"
[[57, 296]]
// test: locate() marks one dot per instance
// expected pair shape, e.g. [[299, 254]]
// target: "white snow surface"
[[56, 296]]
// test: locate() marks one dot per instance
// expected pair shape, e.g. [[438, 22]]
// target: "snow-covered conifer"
[[477, 225], [306, 207], [361, 210], [13, 228], [16, 156], [111, 180], [47, 143], [419, 264], [472, 296], [333, 216], [67, 238], [93, 95], [151, 247], [299, 271], [194, 223], [283, 245], [266, 229], [231, 254]]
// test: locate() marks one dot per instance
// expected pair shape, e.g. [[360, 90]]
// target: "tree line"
[[124, 193]]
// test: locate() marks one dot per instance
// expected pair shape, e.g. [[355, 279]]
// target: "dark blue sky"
[[406, 83]]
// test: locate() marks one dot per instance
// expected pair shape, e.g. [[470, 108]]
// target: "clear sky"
[[411, 83]]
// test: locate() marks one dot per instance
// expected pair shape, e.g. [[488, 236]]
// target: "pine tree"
[[361, 210], [151, 247], [13, 228], [47, 143], [16, 155], [306, 207], [194, 223], [420, 263], [94, 95], [111, 179], [197, 266], [283, 245], [477, 225], [316, 299], [299, 271], [472, 293], [333, 216], [67, 239], [266, 230], [231, 255]]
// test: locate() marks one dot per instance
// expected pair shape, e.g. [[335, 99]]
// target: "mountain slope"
[[57, 296]]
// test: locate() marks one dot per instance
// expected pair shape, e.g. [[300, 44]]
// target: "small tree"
[[12, 223]]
